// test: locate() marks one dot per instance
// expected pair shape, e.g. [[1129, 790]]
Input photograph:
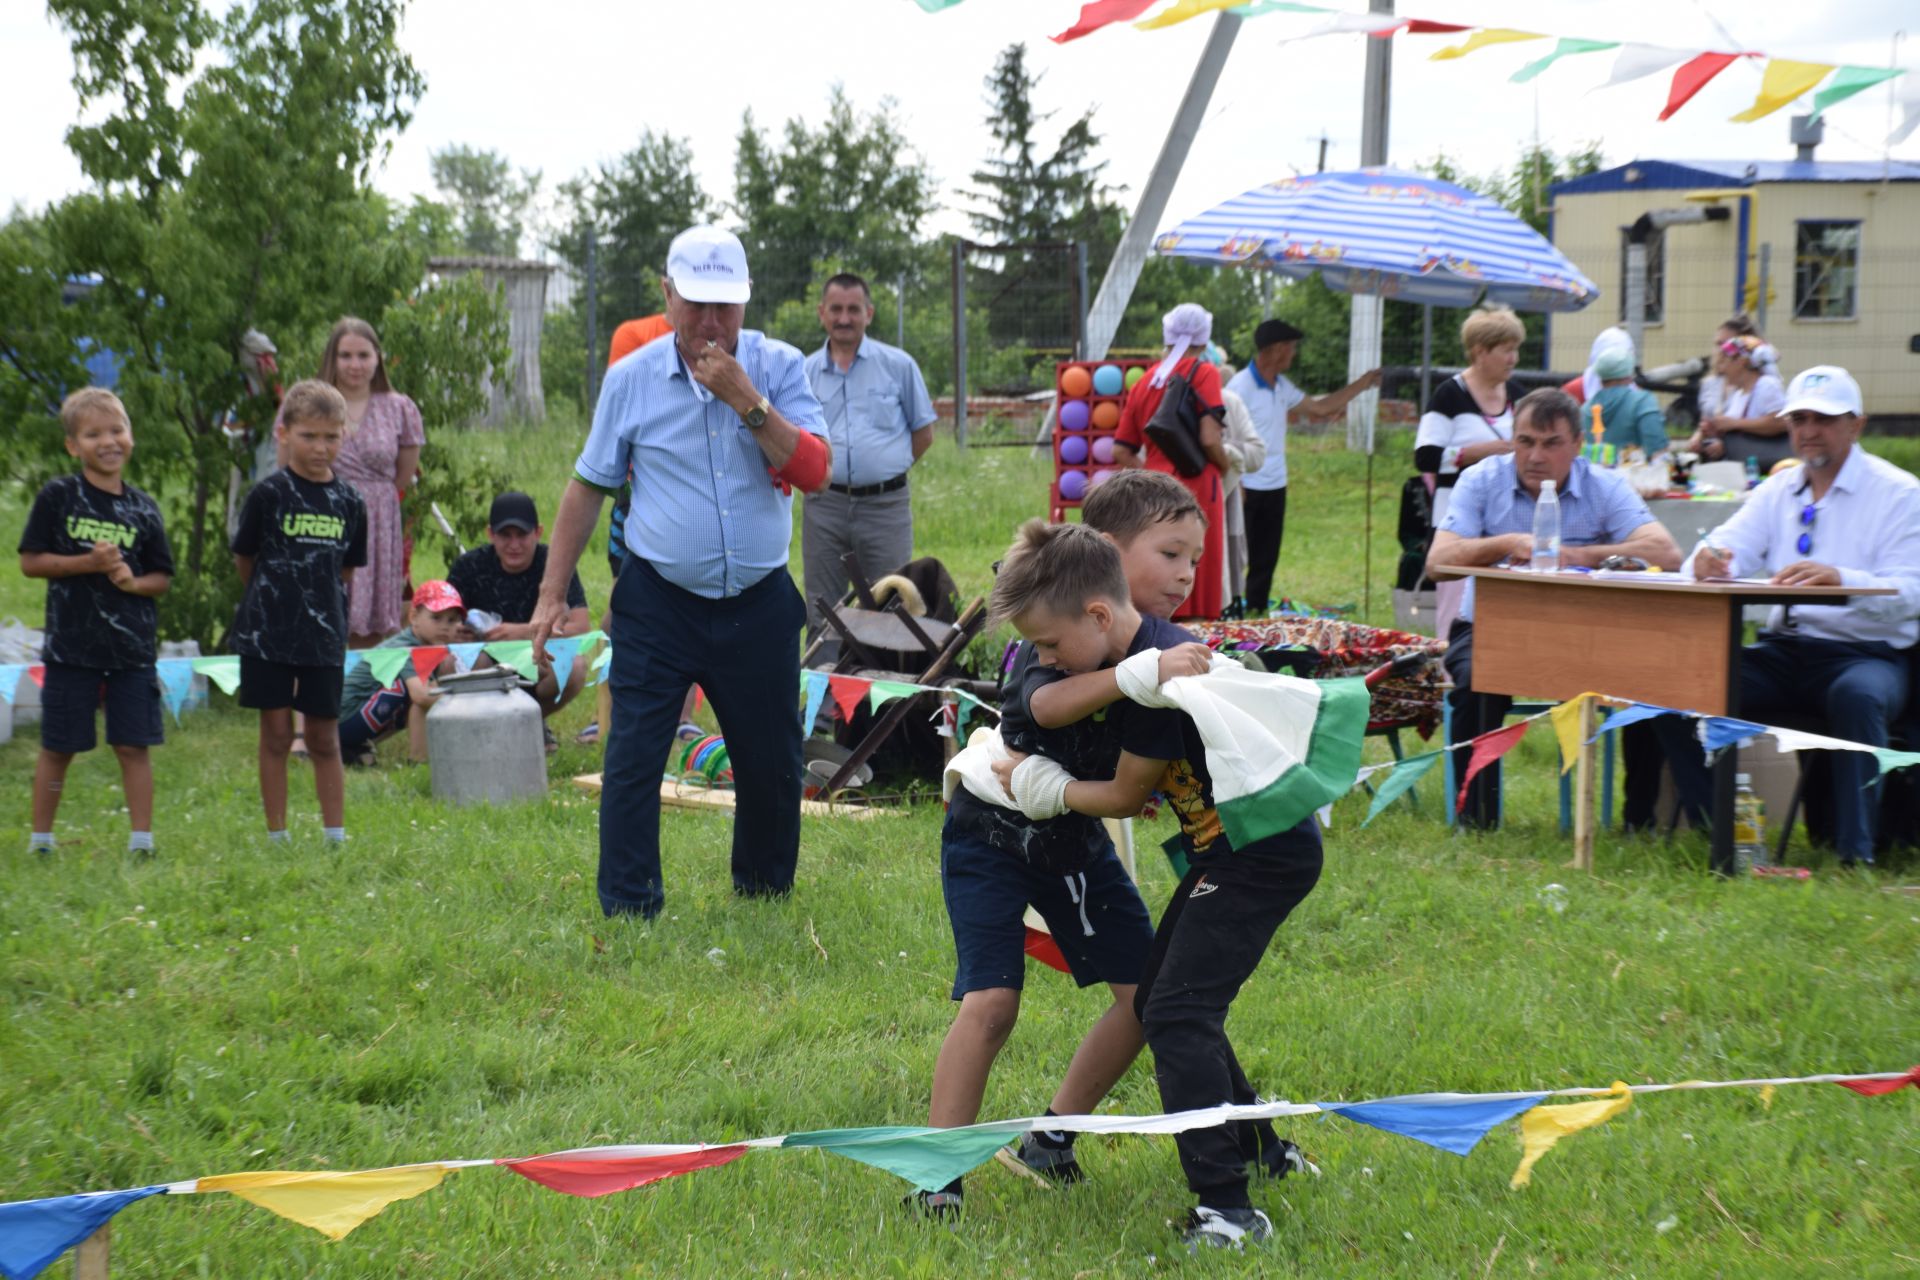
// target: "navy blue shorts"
[[1096, 915], [375, 718], [69, 696], [312, 691]]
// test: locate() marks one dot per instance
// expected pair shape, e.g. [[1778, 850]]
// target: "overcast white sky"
[[561, 85]]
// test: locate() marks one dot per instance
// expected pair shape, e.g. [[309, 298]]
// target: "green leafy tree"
[[634, 207], [492, 203], [228, 159], [851, 191]]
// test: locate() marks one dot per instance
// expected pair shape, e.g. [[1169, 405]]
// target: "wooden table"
[[1655, 637]]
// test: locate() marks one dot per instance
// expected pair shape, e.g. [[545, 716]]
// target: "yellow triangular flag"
[[1784, 81], [1482, 38], [331, 1203], [1183, 10], [1541, 1127], [1566, 727]]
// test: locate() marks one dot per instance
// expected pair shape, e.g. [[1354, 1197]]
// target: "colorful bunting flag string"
[[35, 1233]]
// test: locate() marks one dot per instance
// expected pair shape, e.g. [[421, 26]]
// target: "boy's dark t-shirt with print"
[[484, 584], [301, 536], [90, 622], [1089, 749]]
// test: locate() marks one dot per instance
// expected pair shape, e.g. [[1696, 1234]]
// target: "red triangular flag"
[[426, 658], [582, 1176], [1879, 1088], [1487, 748], [1100, 13], [1420, 27], [849, 692], [1692, 76], [1043, 948], [38, 674]]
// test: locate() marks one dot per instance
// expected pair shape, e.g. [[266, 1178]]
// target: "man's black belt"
[[871, 490]]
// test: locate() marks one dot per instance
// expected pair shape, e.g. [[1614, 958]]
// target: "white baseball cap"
[[1825, 388], [707, 264]]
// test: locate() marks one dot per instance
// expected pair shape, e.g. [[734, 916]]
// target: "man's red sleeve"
[[809, 466]]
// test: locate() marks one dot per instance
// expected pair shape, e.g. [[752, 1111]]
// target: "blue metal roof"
[[1668, 175]]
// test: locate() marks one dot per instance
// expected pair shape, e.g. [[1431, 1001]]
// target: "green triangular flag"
[[885, 691], [385, 664], [1848, 81], [517, 654], [928, 1158], [223, 670], [1890, 759], [1275, 6], [1400, 781], [1568, 45]]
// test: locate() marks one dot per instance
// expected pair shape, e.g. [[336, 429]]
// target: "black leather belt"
[[871, 490]]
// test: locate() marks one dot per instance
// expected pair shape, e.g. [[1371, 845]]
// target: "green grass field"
[[446, 988]]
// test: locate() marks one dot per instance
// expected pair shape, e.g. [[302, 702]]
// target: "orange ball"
[[1075, 382], [1106, 415]]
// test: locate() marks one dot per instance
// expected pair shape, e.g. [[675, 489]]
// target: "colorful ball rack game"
[[1088, 411]]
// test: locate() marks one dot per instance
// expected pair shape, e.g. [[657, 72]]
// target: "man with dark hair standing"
[[879, 421], [1263, 386], [1491, 522], [716, 427]]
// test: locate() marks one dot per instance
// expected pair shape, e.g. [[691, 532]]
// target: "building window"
[[1656, 275], [1826, 270]]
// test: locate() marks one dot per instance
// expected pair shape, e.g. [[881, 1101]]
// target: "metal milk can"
[[484, 741]]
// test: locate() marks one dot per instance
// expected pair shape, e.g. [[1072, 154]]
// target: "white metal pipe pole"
[[1363, 333], [1110, 304]]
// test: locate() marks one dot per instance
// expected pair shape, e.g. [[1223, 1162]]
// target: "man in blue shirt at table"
[[1490, 521], [715, 427], [879, 421]]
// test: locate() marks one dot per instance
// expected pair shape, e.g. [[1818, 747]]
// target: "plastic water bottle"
[[1749, 827], [1546, 530]]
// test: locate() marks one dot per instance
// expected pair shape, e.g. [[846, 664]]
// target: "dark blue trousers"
[[744, 652], [1853, 690]]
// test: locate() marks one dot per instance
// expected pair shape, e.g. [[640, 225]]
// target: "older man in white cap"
[[717, 427], [1841, 518]]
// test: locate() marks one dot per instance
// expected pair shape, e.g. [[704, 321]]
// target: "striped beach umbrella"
[[1396, 235]]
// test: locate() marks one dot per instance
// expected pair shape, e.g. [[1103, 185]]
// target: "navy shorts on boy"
[[301, 535], [100, 639], [1095, 914], [1088, 749]]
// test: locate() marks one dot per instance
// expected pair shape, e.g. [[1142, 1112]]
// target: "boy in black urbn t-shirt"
[[302, 533], [101, 546]]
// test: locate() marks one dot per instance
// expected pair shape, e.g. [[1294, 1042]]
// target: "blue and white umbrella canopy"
[[1392, 234]]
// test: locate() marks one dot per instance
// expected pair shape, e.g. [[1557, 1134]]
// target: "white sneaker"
[[1225, 1228]]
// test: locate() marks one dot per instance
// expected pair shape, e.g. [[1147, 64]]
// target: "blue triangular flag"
[[35, 1232], [563, 650], [1629, 715], [353, 659], [465, 654], [1450, 1126], [176, 683], [10, 680], [816, 682], [1723, 731]]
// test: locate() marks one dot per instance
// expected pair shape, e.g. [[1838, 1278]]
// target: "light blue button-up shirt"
[[872, 410], [1598, 507], [705, 512]]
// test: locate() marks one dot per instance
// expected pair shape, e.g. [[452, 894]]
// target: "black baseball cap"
[[1270, 332], [513, 510]]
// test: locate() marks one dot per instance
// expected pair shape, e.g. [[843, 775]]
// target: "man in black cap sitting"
[[1269, 396], [503, 579]]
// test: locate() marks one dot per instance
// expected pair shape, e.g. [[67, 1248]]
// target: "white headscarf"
[[1614, 339], [1187, 325]]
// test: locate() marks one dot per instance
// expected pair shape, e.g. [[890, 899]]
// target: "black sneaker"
[[1224, 1229], [1050, 1166], [941, 1206], [551, 743], [1283, 1158]]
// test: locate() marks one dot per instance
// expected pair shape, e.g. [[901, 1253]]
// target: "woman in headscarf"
[[1186, 330], [1750, 396]]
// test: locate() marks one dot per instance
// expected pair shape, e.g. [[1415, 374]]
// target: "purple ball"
[[1103, 449], [1073, 449], [1073, 485], [1100, 477], [1073, 415]]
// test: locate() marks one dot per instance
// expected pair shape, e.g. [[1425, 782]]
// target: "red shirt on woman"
[[1143, 401]]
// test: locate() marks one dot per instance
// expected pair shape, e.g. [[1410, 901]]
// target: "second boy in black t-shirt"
[[302, 533]]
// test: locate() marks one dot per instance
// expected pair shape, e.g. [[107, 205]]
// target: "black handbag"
[[1175, 428]]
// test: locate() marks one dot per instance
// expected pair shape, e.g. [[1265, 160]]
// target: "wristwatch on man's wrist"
[[756, 417]]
